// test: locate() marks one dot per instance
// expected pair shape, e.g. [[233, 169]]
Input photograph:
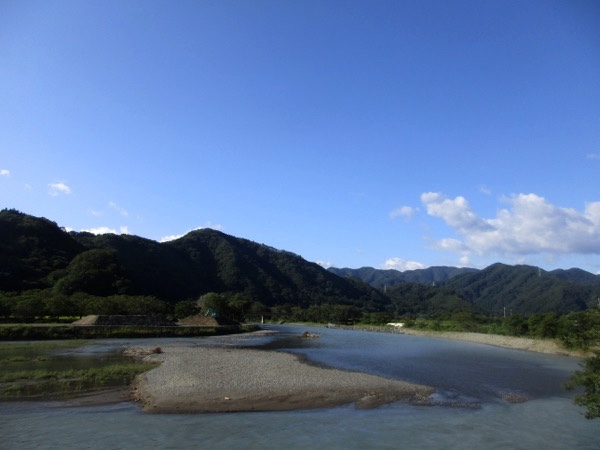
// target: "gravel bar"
[[208, 379]]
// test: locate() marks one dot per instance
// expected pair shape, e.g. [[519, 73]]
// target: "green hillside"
[[524, 290], [387, 278], [44, 267], [36, 253], [33, 251]]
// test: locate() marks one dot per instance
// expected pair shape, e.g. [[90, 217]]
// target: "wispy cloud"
[[404, 211], [485, 190], [402, 264], [172, 237], [4, 173], [58, 189], [117, 208], [107, 230], [593, 156], [529, 225], [325, 264]]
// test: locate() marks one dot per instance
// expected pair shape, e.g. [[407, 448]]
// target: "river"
[[473, 382]]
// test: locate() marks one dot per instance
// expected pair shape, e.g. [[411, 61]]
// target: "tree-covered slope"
[[152, 268], [33, 251], [36, 253], [522, 289], [380, 278], [272, 275], [414, 299], [575, 275]]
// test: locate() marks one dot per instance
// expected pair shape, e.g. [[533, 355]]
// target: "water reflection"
[[549, 420], [460, 371]]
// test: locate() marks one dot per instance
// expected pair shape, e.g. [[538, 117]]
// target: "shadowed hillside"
[[526, 289], [36, 253], [520, 289], [387, 278], [41, 262]]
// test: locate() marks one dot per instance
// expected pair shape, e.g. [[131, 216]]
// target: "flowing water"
[[473, 382]]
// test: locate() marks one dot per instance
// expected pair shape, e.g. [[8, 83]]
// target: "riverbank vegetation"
[[20, 332], [49, 275], [41, 370]]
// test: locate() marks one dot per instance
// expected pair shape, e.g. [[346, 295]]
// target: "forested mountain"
[[419, 300], [575, 275], [387, 278], [36, 253], [31, 249], [40, 260], [520, 289], [526, 289]]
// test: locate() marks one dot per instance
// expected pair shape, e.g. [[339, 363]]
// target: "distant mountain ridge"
[[36, 254], [527, 289], [497, 288], [381, 278]]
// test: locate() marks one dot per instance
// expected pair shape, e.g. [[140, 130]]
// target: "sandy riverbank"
[[201, 379], [517, 343]]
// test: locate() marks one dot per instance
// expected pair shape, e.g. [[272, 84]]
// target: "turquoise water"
[[464, 373]]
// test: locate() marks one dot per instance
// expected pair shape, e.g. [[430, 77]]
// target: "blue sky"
[[392, 134]]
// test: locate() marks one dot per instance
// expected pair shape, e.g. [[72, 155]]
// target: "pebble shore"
[[517, 343], [207, 379]]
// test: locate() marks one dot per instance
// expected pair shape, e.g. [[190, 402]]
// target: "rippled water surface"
[[472, 381]]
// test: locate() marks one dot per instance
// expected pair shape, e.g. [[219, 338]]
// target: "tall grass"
[[41, 332], [22, 376]]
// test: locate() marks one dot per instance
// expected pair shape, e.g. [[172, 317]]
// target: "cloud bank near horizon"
[[529, 225]]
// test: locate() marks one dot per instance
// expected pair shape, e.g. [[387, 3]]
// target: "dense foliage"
[[587, 327], [497, 290], [388, 278], [525, 290], [32, 251], [49, 272], [589, 379]]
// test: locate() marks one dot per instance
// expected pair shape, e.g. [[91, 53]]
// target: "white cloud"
[[404, 211], [58, 189], [121, 211], [100, 230], [107, 230], [172, 237], [451, 245], [485, 190], [325, 264], [455, 213], [402, 264], [4, 173], [529, 225]]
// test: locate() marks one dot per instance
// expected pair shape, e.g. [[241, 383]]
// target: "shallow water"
[[461, 371]]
